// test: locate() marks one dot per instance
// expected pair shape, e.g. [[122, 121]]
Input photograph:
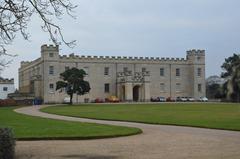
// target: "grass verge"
[[205, 115], [36, 128]]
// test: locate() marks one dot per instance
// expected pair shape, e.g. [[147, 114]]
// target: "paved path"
[[156, 142]]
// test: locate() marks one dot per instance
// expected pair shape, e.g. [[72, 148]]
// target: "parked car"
[[99, 100], [190, 99], [66, 100], [181, 99], [203, 99], [112, 99], [162, 99], [178, 99], [170, 99], [155, 99]]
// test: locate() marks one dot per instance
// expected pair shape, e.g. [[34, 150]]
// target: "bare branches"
[[16, 14], [3, 62], [49, 8]]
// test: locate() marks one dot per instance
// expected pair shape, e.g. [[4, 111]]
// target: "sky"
[[148, 28]]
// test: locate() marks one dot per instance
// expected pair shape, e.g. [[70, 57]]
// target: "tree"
[[214, 91], [232, 74], [214, 87], [15, 16], [73, 82]]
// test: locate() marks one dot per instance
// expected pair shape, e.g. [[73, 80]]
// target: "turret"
[[196, 59], [51, 71], [49, 52], [196, 56]]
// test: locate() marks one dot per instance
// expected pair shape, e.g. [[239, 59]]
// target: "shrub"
[[7, 144], [8, 102]]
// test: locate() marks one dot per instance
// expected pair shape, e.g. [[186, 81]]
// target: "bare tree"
[[16, 14]]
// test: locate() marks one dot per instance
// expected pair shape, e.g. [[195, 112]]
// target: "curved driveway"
[[156, 142]]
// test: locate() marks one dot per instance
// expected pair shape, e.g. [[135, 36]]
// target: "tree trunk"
[[71, 96], [238, 97]]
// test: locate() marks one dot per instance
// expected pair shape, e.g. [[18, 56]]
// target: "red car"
[[98, 100], [170, 99]]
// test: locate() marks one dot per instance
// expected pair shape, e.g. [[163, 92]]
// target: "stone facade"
[[128, 78]]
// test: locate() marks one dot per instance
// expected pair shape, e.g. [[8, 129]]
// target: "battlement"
[[49, 48], [194, 52], [196, 56], [6, 81], [27, 63], [121, 58]]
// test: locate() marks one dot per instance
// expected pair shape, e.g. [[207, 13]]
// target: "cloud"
[[143, 28]]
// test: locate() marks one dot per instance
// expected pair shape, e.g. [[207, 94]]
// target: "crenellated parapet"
[[25, 63], [121, 58], [137, 77], [195, 52], [49, 48], [196, 56], [124, 74], [6, 81], [29, 63]]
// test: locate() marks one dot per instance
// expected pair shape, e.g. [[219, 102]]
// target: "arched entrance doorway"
[[136, 93]]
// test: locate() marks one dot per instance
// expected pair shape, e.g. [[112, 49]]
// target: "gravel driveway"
[[156, 142]]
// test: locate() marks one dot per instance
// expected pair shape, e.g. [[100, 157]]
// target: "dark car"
[[155, 99], [170, 99]]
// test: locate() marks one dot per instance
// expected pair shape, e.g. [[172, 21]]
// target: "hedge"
[[7, 143]]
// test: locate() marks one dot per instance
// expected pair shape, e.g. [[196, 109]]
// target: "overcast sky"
[[153, 28]]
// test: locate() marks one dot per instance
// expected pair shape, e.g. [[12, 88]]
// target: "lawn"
[[35, 128], [206, 115]]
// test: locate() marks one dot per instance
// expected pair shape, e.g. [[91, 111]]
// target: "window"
[[86, 69], [51, 70], [161, 71], [106, 71], [178, 87], [178, 72], [125, 69], [106, 87], [66, 68], [51, 87], [144, 69], [199, 72], [199, 87], [50, 54], [5, 88], [162, 87]]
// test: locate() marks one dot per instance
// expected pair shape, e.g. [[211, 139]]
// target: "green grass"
[[206, 115], [32, 128]]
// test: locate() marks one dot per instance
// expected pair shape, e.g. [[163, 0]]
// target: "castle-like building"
[[128, 78]]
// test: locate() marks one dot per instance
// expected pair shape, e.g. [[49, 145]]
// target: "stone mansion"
[[128, 78]]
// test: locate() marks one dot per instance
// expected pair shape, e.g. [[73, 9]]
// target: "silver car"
[[203, 99]]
